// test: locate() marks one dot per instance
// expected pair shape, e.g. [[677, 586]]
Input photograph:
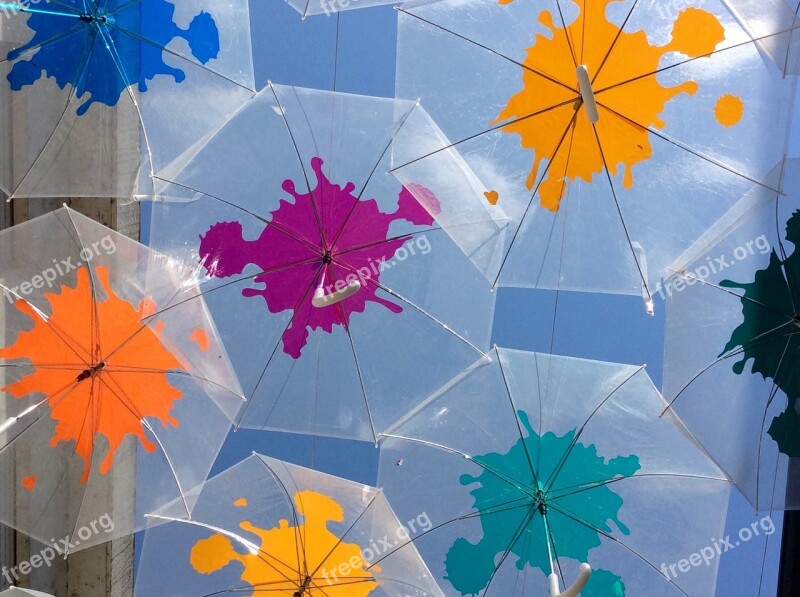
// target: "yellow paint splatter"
[[337, 566], [628, 94], [240, 503], [492, 197], [729, 110]]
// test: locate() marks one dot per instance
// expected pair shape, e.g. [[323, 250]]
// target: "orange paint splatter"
[[28, 482], [201, 339], [492, 197], [338, 568], [729, 110], [111, 368], [629, 96], [240, 503]]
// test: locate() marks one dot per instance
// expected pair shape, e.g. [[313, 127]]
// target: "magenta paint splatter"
[[328, 228]]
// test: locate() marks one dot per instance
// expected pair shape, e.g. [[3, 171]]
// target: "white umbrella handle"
[[587, 94], [576, 587], [320, 299]]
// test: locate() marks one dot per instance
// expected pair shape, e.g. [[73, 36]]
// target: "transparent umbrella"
[[543, 472], [116, 392]]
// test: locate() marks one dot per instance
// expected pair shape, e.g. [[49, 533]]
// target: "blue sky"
[[291, 51]]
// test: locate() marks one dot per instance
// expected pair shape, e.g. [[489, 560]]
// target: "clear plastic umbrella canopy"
[[732, 353], [542, 472], [115, 386], [612, 132], [89, 89], [265, 526], [340, 298]]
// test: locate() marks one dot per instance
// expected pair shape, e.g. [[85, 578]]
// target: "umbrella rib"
[[599, 531], [376, 243], [516, 418], [749, 299], [56, 329], [371, 174], [303, 297], [47, 366], [544, 174], [118, 63], [569, 491], [299, 544], [57, 401], [165, 49], [541, 411], [616, 39], [736, 352], [496, 509], [567, 36], [491, 129], [83, 65], [490, 50], [574, 442], [313, 201], [560, 255], [522, 487], [78, 26], [300, 541], [55, 397], [418, 309], [691, 151], [130, 406], [694, 58], [300, 537], [262, 555], [772, 394], [362, 385], [340, 539], [199, 295], [645, 285], [119, 370], [93, 411], [551, 538], [94, 320], [785, 68], [526, 520], [278, 227]]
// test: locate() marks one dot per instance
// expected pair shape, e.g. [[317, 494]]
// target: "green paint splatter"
[[470, 566], [768, 305]]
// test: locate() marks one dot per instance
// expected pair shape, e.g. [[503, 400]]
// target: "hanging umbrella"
[[90, 89], [114, 382], [731, 351], [612, 132], [20, 592], [544, 471], [334, 287], [268, 526]]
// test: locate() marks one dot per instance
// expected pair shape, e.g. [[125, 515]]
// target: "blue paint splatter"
[[101, 53]]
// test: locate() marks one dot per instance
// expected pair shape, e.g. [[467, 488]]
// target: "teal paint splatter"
[[470, 566], [768, 305]]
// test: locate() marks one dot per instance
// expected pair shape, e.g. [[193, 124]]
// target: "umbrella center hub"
[[91, 371], [90, 19], [796, 320], [540, 499], [303, 588], [327, 257]]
